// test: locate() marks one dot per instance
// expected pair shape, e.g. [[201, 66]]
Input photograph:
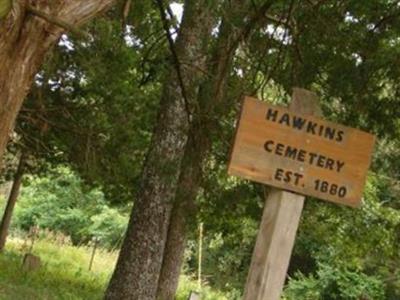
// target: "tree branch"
[[56, 21], [125, 12], [175, 58]]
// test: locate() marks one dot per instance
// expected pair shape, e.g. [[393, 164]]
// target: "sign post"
[[293, 151]]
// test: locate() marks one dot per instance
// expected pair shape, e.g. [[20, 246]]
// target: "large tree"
[[214, 104], [139, 264], [175, 178], [28, 30]]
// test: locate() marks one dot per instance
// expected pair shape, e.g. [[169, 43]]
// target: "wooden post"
[[278, 227], [96, 241], [200, 255], [34, 231]]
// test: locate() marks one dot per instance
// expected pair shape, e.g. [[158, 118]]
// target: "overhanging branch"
[[56, 21]]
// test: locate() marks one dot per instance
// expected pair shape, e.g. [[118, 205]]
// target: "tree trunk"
[[171, 267], [139, 263], [183, 211], [12, 199], [212, 99], [24, 41]]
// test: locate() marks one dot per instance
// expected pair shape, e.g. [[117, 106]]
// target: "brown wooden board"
[[300, 153]]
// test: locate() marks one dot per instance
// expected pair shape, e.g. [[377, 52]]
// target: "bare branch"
[[125, 12]]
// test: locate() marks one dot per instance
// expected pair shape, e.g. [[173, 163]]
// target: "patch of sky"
[[66, 43], [279, 33]]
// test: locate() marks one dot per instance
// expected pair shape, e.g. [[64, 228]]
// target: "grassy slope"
[[65, 274]]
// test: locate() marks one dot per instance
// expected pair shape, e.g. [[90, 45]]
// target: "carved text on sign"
[[300, 153]]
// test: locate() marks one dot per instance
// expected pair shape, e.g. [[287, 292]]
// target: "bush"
[[331, 283], [61, 202], [109, 227]]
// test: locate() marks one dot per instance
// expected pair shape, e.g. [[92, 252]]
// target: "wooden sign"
[[300, 153]]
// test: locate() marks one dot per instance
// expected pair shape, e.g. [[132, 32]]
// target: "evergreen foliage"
[[94, 105], [60, 202]]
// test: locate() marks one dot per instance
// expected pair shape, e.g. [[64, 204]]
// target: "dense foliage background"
[[87, 124]]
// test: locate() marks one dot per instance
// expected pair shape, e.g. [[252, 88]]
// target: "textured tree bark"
[[5, 7], [171, 268], [212, 99], [12, 199], [213, 92], [24, 42], [139, 264], [183, 211]]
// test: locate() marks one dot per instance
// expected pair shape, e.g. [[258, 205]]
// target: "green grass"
[[64, 274], [186, 285]]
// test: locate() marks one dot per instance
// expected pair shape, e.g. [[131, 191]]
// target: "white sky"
[[177, 9]]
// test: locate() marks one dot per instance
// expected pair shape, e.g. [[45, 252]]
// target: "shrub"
[[61, 202]]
